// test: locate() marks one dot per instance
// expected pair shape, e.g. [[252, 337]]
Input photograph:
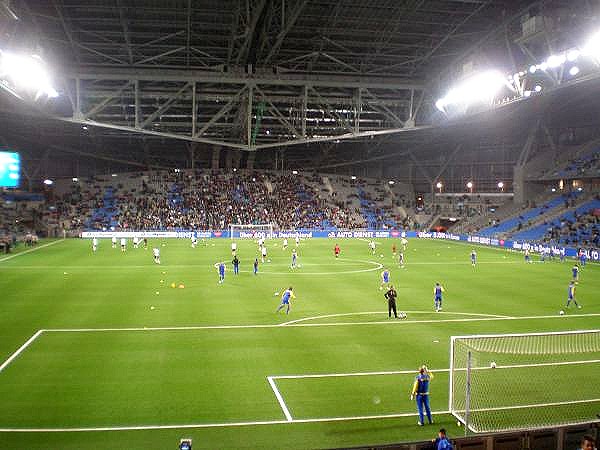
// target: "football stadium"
[[299, 224]]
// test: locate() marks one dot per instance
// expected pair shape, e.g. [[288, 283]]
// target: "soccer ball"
[[402, 315], [561, 312], [493, 364]]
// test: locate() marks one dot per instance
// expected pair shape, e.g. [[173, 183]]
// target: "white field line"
[[414, 371], [20, 349], [327, 324], [291, 272], [383, 313], [211, 425], [31, 250], [284, 408]]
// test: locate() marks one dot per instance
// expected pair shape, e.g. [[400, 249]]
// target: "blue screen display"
[[10, 169]]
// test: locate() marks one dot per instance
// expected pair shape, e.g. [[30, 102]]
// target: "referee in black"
[[391, 295]]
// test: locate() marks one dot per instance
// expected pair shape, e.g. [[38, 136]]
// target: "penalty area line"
[[284, 408], [20, 350]]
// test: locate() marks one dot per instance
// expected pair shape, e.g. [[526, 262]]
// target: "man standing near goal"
[[420, 390]]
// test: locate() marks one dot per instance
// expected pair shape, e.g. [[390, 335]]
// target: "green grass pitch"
[[133, 352]]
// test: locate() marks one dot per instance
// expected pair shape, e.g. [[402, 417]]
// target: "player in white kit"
[[297, 241], [114, 242], [285, 244], [156, 253], [263, 253], [135, 242], [233, 248], [123, 244], [194, 241], [94, 244]]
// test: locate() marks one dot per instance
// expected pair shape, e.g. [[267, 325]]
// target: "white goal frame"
[[464, 418], [268, 233]]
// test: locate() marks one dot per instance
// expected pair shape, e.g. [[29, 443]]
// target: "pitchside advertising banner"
[[593, 255]]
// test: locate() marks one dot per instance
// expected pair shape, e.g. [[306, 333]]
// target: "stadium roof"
[[266, 74]]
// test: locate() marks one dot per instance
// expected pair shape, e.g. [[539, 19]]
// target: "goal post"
[[250, 231], [525, 381]]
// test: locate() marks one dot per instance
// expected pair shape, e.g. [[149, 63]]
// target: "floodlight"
[[470, 185], [573, 71], [553, 189], [543, 65], [114, 175], [579, 189], [75, 179], [391, 182], [537, 88], [294, 172], [439, 185], [555, 61], [353, 177], [592, 47], [481, 87], [500, 185], [27, 73], [573, 54], [234, 169], [533, 69], [48, 182], [527, 93], [268, 132]]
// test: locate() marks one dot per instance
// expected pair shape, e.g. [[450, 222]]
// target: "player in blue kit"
[[255, 266], [575, 271], [385, 279], [294, 259], [473, 257], [571, 295], [582, 257], [221, 269], [288, 294], [420, 390], [438, 290]]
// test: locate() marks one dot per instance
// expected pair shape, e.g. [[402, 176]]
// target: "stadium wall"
[[535, 247]]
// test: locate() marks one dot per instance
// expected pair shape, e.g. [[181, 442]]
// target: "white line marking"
[[352, 374], [31, 250], [20, 349], [384, 313], [414, 371], [328, 324], [211, 425], [284, 408]]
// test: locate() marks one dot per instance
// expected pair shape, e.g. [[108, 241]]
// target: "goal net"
[[241, 231], [524, 381]]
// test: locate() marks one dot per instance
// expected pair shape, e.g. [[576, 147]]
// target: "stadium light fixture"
[[27, 72], [592, 46], [573, 54], [294, 172], [533, 69], [481, 87], [573, 71], [114, 175], [234, 169], [75, 179], [501, 186], [268, 132], [538, 88], [353, 177], [391, 182], [579, 189], [48, 182], [555, 61], [470, 186]]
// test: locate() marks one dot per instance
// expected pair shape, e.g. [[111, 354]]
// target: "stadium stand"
[[173, 200]]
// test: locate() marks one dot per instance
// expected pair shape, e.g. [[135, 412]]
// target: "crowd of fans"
[[203, 200], [584, 230]]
